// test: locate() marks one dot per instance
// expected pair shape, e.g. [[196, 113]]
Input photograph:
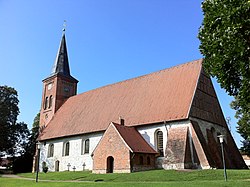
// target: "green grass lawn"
[[154, 175], [148, 178]]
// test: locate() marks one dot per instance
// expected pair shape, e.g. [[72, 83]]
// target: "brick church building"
[[168, 119]]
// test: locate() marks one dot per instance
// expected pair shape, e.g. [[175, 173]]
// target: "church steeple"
[[61, 65], [59, 86]]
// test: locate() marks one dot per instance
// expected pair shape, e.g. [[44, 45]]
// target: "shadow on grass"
[[98, 180]]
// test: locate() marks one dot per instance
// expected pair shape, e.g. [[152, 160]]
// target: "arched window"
[[50, 101], [86, 146], [57, 165], [141, 160], [45, 104], [148, 160], [66, 149], [159, 142], [51, 150]]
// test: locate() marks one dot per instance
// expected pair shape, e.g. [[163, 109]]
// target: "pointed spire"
[[61, 65]]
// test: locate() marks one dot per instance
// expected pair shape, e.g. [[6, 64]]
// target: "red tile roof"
[[165, 95], [134, 139]]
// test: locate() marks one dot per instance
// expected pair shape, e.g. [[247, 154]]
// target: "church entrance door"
[[57, 165], [110, 164]]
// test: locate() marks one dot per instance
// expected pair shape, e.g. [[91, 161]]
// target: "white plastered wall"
[[148, 133], [76, 158]]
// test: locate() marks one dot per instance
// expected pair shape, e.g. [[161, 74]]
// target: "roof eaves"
[[67, 136]]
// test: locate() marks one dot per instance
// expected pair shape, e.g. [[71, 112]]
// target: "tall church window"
[[50, 101], [66, 149], [86, 146], [159, 142], [148, 160], [141, 160], [51, 150], [45, 105]]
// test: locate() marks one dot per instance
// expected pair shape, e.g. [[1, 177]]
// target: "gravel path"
[[10, 176], [18, 177]]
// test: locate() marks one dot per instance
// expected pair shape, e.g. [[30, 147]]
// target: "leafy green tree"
[[24, 162], [225, 44], [31, 145], [244, 126], [13, 135]]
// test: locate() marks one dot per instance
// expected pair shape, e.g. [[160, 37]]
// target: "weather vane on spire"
[[64, 25]]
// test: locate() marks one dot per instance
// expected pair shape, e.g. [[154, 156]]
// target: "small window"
[[50, 101], [159, 142], [148, 160], [141, 160], [51, 150], [45, 105], [86, 146], [66, 149]]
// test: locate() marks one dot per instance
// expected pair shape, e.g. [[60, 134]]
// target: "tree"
[[225, 44], [8, 115], [24, 162], [15, 138], [31, 145], [244, 127]]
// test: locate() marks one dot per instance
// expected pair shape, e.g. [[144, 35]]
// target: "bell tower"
[[58, 87]]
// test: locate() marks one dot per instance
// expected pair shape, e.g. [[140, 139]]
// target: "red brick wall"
[[47, 114], [200, 146], [188, 163], [138, 166], [209, 151], [176, 148], [214, 149], [111, 144], [232, 153], [61, 89]]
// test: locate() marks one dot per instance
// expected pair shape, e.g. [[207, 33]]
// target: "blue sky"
[[108, 41]]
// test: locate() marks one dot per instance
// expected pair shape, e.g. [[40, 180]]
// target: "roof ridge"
[[119, 125], [139, 77]]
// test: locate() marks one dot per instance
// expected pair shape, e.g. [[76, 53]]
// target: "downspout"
[[165, 123]]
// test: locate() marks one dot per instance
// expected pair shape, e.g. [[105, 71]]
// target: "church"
[[168, 119]]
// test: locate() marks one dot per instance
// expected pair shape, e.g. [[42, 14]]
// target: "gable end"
[[205, 104]]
